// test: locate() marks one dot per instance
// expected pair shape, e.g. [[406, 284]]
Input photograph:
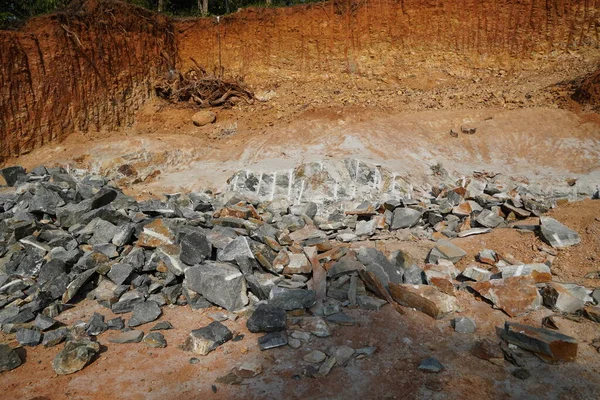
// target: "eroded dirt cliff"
[[87, 68]]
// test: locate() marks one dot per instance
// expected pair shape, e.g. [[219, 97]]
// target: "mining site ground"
[[379, 81]]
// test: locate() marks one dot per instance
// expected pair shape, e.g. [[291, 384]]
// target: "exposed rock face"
[[71, 71]]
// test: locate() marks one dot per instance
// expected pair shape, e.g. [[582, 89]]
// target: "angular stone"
[[155, 234], [119, 273], [43, 323], [145, 312], [116, 324], [28, 337], [489, 219], [342, 354], [346, 265], [315, 357], [377, 263], [52, 338], [431, 364], [487, 350], [248, 369], [292, 299], [162, 326], [370, 303], [477, 274], [550, 345], [75, 356], [77, 284], [592, 313], [9, 359], [405, 218], [267, 318], [127, 302], [487, 256], [272, 340], [298, 264], [219, 283], [13, 174], [366, 228], [238, 248], [464, 325], [96, 325], [413, 275], [170, 255], [426, 299], [474, 231], [127, 337], [326, 367], [556, 234], [515, 296], [315, 325], [195, 248], [204, 340], [155, 340], [539, 272], [565, 297], [445, 250]]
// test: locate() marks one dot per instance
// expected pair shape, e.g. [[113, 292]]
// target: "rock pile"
[[65, 235]]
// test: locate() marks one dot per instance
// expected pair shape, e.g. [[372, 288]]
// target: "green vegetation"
[[14, 13]]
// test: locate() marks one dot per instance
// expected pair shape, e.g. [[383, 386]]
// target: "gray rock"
[[413, 275], [77, 284], [145, 312], [366, 228], [370, 303], [366, 351], [272, 340], [204, 340], [116, 324], [489, 219], [316, 325], [162, 326], [565, 297], [405, 218], [292, 299], [13, 174], [464, 325], [596, 295], [219, 283], [9, 359], [155, 340], [75, 356], [127, 302], [431, 365], [267, 318], [477, 274], [445, 250], [52, 338], [119, 273], [43, 323], [326, 367], [28, 337], [342, 354], [195, 248], [96, 325], [315, 357], [377, 263], [123, 235], [127, 337], [308, 209], [556, 234], [345, 265], [474, 231], [294, 343]]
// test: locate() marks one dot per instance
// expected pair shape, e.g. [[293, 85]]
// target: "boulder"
[[143, 313], [377, 263], [405, 218], [220, 283], [292, 299], [204, 340], [267, 318], [204, 117]]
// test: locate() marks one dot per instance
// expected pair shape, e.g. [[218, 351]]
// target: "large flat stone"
[[426, 299], [556, 234], [515, 296], [445, 250], [550, 345], [405, 218]]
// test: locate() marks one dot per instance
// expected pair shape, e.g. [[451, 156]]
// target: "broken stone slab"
[[75, 356], [204, 340], [116, 324], [464, 325], [13, 174], [556, 234], [170, 256], [57, 336], [515, 296], [238, 248], [145, 312], [298, 264], [127, 337], [162, 326], [426, 299], [156, 233], [565, 297], [549, 345], [326, 367], [220, 283], [487, 350], [155, 340], [267, 318], [474, 231], [96, 325], [445, 250], [489, 219], [539, 272], [431, 364], [315, 357], [405, 218], [414, 275], [370, 303], [477, 274], [272, 340], [77, 284], [43, 323], [366, 228], [195, 248], [28, 337], [9, 359], [345, 265], [119, 273], [292, 299], [487, 256]]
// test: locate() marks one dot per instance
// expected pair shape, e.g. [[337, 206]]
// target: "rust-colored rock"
[[204, 117], [239, 211], [549, 345], [515, 296], [424, 298], [156, 234]]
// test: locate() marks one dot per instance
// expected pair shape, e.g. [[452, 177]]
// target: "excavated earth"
[[380, 81]]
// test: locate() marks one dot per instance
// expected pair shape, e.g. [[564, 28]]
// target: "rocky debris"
[[556, 234], [133, 336], [464, 325], [267, 318], [219, 283], [13, 174], [565, 297], [489, 351], [162, 326], [445, 250], [75, 356], [431, 364], [326, 367], [539, 272], [204, 117], [291, 299], [9, 359], [515, 296], [477, 274], [549, 345], [96, 325], [273, 340], [204, 340], [248, 369], [155, 340], [315, 357], [143, 313], [28, 337], [426, 299], [405, 218]]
